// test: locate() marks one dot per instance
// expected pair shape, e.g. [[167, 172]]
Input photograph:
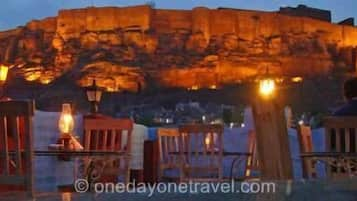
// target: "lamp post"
[[271, 131], [94, 95]]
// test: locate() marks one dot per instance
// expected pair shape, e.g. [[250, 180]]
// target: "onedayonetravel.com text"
[[82, 185]]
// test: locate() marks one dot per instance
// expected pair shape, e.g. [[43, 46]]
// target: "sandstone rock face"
[[197, 42], [230, 42], [151, 43], [89, 40], [112, 76], [110, 38], [129, 48], [58, 43]]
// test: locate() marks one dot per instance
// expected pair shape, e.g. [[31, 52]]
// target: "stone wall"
[[168, 21], [246, 24], [71, 23]]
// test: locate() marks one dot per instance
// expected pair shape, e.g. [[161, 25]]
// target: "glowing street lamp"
[[267, 87], [270, 126], [267, 84], [94, 95]]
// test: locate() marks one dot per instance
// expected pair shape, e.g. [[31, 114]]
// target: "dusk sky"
[[17, 12]]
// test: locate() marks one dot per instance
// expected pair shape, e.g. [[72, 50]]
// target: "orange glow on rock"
[[33, 76], [3, 73], [297, 79], [213, 86], [46, 81], [110, 89], [195, 88]]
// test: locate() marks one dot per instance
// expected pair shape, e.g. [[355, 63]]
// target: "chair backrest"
[[341, 136], [305, 138], [16, 144], [201, 145], [305, 143], [168, 145], [252, 162], [107, 134]]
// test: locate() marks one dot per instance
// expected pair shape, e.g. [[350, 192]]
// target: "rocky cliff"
[[130, 48]]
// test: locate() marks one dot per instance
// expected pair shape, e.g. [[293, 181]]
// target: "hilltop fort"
[[127, 48]]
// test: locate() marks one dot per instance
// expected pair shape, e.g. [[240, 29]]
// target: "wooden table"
[[92, 168], [238, 157], [49, 166], [329, 155]]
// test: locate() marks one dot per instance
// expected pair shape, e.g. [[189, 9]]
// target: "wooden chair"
[[201, 151], [341, 136], [168, 139], [252, 163], [107, 134], [151, 161], [305, 144], [16, 146]]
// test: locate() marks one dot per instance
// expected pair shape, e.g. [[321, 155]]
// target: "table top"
[[77, 153], [44, 152], [225, 153], [328, 155]]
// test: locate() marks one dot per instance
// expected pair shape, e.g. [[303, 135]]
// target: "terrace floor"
[[339, 190]]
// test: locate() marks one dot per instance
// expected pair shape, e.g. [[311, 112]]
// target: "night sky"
[[17, 12]]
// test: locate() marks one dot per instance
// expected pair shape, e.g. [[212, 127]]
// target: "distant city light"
[[242, 125], [231, 125], [203, 118]]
